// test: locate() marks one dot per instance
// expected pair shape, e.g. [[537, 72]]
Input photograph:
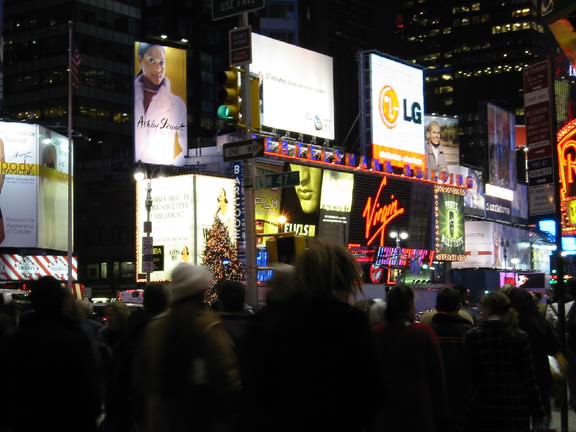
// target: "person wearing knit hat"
[[189, 281], [187, 359]]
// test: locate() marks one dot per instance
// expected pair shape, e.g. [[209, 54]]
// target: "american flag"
[[75, 63]]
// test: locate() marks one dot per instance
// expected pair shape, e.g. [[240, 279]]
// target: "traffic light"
[[230, 95]]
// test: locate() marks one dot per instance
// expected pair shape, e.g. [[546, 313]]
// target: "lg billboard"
[[397, 103]]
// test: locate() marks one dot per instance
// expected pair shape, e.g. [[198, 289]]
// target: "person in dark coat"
[[123, 403], [450, 328], [505, 392], [411, 363], [543, 342], [311, 363], [54, 385], [186, 367], [231, 297]]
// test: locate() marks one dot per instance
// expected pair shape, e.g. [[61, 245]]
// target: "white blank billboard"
[[297, 89]]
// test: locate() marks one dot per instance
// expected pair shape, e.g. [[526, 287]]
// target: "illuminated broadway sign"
[[567, 166]]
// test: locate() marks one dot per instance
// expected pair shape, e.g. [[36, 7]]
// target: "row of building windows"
[[465, 8], [120, 269], [489, 70], [476, 19], [61, 111], [517, 26]]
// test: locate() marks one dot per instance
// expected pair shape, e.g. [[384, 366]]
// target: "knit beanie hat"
[[189, 280]]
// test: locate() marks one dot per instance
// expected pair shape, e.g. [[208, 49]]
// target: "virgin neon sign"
[[377, 216]]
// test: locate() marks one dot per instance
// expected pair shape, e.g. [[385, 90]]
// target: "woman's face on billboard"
[[308, 190], [153, 64]]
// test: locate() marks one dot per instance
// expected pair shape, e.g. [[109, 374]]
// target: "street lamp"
[[140, 174], [403, 235]]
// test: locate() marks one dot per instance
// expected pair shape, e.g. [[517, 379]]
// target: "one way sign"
[[243, 149]]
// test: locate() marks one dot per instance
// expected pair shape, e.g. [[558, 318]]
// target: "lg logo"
[[389, 108]]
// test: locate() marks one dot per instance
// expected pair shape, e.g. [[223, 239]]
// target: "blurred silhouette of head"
[[48, 296], [155, 298], [231, 294], [400, 304], [327, 270], [448, 300]]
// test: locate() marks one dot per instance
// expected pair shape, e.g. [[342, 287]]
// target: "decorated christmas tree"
[[220, 256]]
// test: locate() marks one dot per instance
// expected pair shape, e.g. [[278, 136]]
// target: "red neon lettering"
[[378, 215], [570, 162]]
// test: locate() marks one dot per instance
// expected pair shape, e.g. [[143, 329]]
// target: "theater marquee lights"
[[566, 146]]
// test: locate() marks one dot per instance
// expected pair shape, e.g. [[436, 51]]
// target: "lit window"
[[516, 26], [446, 77], [447, 30], [526, 25], [476, 6], [496, 30]]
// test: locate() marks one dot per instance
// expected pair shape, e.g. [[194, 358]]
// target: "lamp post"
[[402, 235], [140, 174]]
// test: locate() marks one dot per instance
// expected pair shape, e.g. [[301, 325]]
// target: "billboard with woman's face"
[[160, 124], [186, 210]]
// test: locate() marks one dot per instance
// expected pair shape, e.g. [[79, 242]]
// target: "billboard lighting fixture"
[[184, 40], [163, 36]]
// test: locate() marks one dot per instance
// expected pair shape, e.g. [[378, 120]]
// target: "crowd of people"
[[312, 358]]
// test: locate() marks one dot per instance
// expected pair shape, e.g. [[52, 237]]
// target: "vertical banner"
[[501, 144], [160, 125], [54, 153], [539, 134], [449, 223]]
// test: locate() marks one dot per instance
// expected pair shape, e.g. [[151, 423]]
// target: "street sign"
[[280, 180], [226, 8], [243, 149], [240, 46]]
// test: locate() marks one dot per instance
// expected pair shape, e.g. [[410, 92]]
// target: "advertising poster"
[[160, 125], [172, 217], [215, 199], [53, 190], [474, 198], [449, 223], [441, 144], [397, 101], [335, 205], [18, 185], [289, 75], [301, 204], [501, 144], [267, 207], [383, 204]]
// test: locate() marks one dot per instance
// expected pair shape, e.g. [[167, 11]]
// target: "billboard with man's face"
[[33, 187], [296, 87], [160, 124]]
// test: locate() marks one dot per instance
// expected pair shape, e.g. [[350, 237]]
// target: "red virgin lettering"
[[377, 215]]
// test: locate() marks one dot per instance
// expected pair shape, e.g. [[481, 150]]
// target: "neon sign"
[[377, 216], [567, 166]]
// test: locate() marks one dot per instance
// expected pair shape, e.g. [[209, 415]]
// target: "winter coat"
[[161, 131], [187, 371]]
